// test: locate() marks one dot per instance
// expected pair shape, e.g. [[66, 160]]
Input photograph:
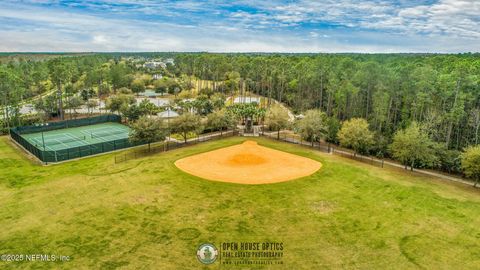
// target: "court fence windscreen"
[[64, 140]]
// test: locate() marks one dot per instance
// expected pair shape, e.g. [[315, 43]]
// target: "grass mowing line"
[[149, 208], [402, 243], [135, 165]]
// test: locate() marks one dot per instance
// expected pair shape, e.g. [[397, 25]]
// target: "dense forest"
[[391, 91]]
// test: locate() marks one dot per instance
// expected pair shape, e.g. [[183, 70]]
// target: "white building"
[[246, 100], [168, 114], [159, 102], [169, 61], [154, 65]]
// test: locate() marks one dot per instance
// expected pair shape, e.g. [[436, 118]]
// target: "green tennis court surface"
[[79, 136]]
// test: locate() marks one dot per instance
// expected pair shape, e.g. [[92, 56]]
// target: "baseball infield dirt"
[[248, 163]]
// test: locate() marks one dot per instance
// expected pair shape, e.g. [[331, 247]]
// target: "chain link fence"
[[171, 145], [49, 156], [324, 147]]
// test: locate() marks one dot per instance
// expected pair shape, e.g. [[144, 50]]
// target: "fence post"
[[382, 163]]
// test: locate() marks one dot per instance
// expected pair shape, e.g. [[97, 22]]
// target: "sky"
[[328, 26]]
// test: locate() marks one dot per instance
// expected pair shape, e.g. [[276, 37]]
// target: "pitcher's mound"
[[248, 163]]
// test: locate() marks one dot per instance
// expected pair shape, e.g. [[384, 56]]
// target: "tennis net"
[[101, 134], [71, 138]]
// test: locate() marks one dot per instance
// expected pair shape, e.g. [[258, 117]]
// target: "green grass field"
[[147, 214]]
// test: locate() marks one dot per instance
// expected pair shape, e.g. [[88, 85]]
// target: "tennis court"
[[67, 138], [75, 138]]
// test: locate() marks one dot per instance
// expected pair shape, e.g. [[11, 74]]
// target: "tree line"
[[54, 83], [390, 91], [439, 93], [411, 146], [432, 98]]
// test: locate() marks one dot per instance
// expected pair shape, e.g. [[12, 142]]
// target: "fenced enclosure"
[[324, 147], [60, 141], [171, 145], [297, 139]]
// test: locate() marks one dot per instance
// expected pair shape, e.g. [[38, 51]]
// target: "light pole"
[[168, 125], [43, 139], [43, 142]]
